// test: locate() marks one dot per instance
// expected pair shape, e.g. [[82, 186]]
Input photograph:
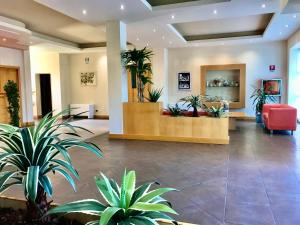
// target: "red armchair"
[[279, 117]]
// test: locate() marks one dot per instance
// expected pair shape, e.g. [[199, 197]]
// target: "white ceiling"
[[152, 26]]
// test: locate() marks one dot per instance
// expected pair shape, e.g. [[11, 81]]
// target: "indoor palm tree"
[[29, 155], [193, 101], [259, 99], [138, 62], [125, 205]]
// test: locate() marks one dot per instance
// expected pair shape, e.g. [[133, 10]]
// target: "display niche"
[[224, 82]]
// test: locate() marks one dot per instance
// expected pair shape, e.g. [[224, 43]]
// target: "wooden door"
[[5, 75]]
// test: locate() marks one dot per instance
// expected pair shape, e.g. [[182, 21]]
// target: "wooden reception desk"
[[144, 121]]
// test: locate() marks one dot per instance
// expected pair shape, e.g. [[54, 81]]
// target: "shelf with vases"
[[230, 73]]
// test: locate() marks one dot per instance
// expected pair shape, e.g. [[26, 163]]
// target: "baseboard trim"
[[170, 139]]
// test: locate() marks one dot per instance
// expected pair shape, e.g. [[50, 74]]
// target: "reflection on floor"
[[252, 181], [98, 127]]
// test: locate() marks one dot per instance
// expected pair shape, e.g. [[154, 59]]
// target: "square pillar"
[[116, 36]]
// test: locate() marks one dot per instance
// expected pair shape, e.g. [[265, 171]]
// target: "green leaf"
[[107, 214], [151, 195], [93, 223], [130, 187], [107, 191], [67, 177], [88, 206], [47, 185], [152, 207], [138, 220], [140, 191], [28, 146], [32, 181], [4, 177], [157, 216], [66, 165]]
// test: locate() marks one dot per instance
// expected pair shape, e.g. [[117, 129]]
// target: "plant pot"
[[258, 118], [6, 202]]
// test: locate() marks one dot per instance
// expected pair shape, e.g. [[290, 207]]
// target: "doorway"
[[6, 73], [46, 94]]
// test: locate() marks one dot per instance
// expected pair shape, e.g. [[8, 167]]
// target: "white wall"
[[48, 63], [19, 58], [257, 56], [98, 94]]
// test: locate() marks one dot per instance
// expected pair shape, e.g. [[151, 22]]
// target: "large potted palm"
[[28, 156], [259, 98], [138, 63]]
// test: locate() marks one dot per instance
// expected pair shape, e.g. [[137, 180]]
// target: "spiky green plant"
[[28, 155], [216, 111], [193, 101], [138, 62], [154, 94], [175, 110], [260, 98], [125, 205]]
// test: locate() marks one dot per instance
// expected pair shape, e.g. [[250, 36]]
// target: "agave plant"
[[138, 62], [125, 205], [154, 95], [28, 155], [175, 110], [193, 101], [216, 111]]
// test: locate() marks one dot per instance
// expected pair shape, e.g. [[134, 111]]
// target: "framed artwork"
[[272, 87], [184, 81], [88, 79]]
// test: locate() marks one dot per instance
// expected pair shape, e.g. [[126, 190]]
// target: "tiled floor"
[[252, 181]]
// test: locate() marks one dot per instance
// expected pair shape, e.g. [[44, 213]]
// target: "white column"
[[28, 105], [117, 78]]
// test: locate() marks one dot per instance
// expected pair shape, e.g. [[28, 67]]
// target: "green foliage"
[[216, 111], [193, 101], [124, 205], [138, 62], [13, 97], [260, 98], [28, 155], [154, 94], [175, 110]]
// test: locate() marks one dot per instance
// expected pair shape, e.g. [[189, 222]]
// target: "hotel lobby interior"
[[198, 101]]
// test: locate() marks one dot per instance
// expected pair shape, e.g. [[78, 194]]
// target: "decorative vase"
[[258, 118]]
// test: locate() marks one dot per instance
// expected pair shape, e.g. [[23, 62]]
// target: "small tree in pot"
[[193, 101], [259, 99], [28, 155], [138, 62], [13, 98]]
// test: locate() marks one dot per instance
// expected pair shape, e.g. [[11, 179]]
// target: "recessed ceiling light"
[[170, 42], [294, 16], [31, 42], [215, 12], [122, 7], [154, 30], [163, 37], [280, 33], [173, 17], [147, 44], [137, 39], [286, 25], [3, 39], [84, 12], [263, 6]]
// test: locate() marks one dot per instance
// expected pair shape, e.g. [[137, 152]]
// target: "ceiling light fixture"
[[170, 42], [122, 7], [84, 12], [137, 39], [163, 37], [31, 42], [286, 25], [4, 39], [294, 16], [154, 30], [147, 44], [263, 6], [280, 33], [215, 12], [173, 17]]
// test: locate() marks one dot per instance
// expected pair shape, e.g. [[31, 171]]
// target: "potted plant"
[[217, 112], [193, 101], [124, 205], [138, 62], [13, 98], [154, 95], [259, 99], [28, 156], [175, 111]]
